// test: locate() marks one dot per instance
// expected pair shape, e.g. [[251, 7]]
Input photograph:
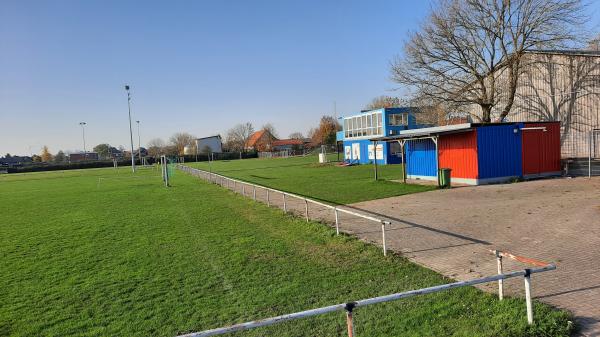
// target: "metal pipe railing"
[[214, 177], [350, 306]]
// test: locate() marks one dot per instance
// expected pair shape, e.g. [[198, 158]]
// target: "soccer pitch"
[[326, 182], [105, 252]]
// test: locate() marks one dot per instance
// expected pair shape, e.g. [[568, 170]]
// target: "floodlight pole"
[[83, 134], [139, 142], [130, 131]]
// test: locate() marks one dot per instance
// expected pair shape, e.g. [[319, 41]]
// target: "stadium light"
[[130, 132], [83, 134]]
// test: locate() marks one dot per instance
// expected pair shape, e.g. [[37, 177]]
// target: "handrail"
[[349, 306], [542, 267], [335, 208]]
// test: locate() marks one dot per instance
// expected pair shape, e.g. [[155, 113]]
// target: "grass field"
[[328, 182], [106, 253]]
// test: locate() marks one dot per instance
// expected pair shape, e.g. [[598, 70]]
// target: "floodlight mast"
[[83, 134], [139, 142], [130, 131]]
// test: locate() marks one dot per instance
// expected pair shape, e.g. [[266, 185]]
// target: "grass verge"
[[106, 253], [325, 182]]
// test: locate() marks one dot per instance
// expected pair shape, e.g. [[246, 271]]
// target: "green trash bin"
[[444, 179]]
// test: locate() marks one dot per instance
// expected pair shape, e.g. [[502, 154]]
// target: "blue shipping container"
[[499, 151]]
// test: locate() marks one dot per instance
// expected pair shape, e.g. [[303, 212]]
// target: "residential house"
[[261, 141]]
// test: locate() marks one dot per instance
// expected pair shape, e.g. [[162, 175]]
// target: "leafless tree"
[[296, 135], [182, 139], [386, 102], [269, 127], [464, 46], [238, 136], [155, 147]]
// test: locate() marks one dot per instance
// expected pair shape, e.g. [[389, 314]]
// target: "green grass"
[[104, 253], [326, 182]]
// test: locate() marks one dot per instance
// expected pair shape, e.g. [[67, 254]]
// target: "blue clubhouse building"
[[359, 128]]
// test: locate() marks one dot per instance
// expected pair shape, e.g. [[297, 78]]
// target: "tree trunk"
[[486, 113]]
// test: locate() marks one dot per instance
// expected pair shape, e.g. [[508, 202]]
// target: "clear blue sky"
[[194, 66]]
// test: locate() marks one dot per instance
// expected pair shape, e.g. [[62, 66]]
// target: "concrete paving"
[[450, 231]]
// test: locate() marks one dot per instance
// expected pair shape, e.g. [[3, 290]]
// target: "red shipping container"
[[459, 152]]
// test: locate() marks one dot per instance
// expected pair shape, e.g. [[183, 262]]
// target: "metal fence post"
[[243, 189], [590, 156], [383, 223], [500, 283], [268, 201], [306, 208], [349, 319], [254, 192], [284, 204], [527, 278], [337, 221]]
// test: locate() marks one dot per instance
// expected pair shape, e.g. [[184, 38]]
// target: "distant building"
[[13, 161], [115, 153], [209, 144], [76, 157], [290, 144], [261, 141]]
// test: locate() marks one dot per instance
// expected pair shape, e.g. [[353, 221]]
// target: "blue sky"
[[194, 66]]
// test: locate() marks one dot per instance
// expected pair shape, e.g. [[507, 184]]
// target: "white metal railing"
[[227, 182], [350, 306]]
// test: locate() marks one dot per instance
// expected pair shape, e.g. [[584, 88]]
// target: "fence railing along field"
[[250, 189], [270, 195], [349, 307]]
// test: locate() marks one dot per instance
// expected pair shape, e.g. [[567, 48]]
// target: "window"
[[398, 119], [363, 125]]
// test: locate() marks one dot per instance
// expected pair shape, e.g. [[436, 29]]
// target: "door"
[[532, 151]]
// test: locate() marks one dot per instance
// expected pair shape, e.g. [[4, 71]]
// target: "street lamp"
[[130, 132], [139, 142], [83, 134]]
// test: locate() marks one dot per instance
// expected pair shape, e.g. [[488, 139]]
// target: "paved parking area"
[[451, 231]]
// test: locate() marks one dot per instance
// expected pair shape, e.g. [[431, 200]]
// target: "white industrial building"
[[209, 144]]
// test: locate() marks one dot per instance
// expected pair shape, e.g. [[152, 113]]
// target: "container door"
[[532, 151]]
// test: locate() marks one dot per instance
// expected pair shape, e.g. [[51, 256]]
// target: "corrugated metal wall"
[[541, 150], [459, 153], [499, 151], [421, 158]]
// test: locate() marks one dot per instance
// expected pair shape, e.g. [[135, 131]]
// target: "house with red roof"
[[261, 141]]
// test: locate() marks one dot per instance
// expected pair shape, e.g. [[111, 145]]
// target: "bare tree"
[[296, 135], [464, 46], [386, 102], [238, 136], [155, 147], [182, 139], [269, 127]]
